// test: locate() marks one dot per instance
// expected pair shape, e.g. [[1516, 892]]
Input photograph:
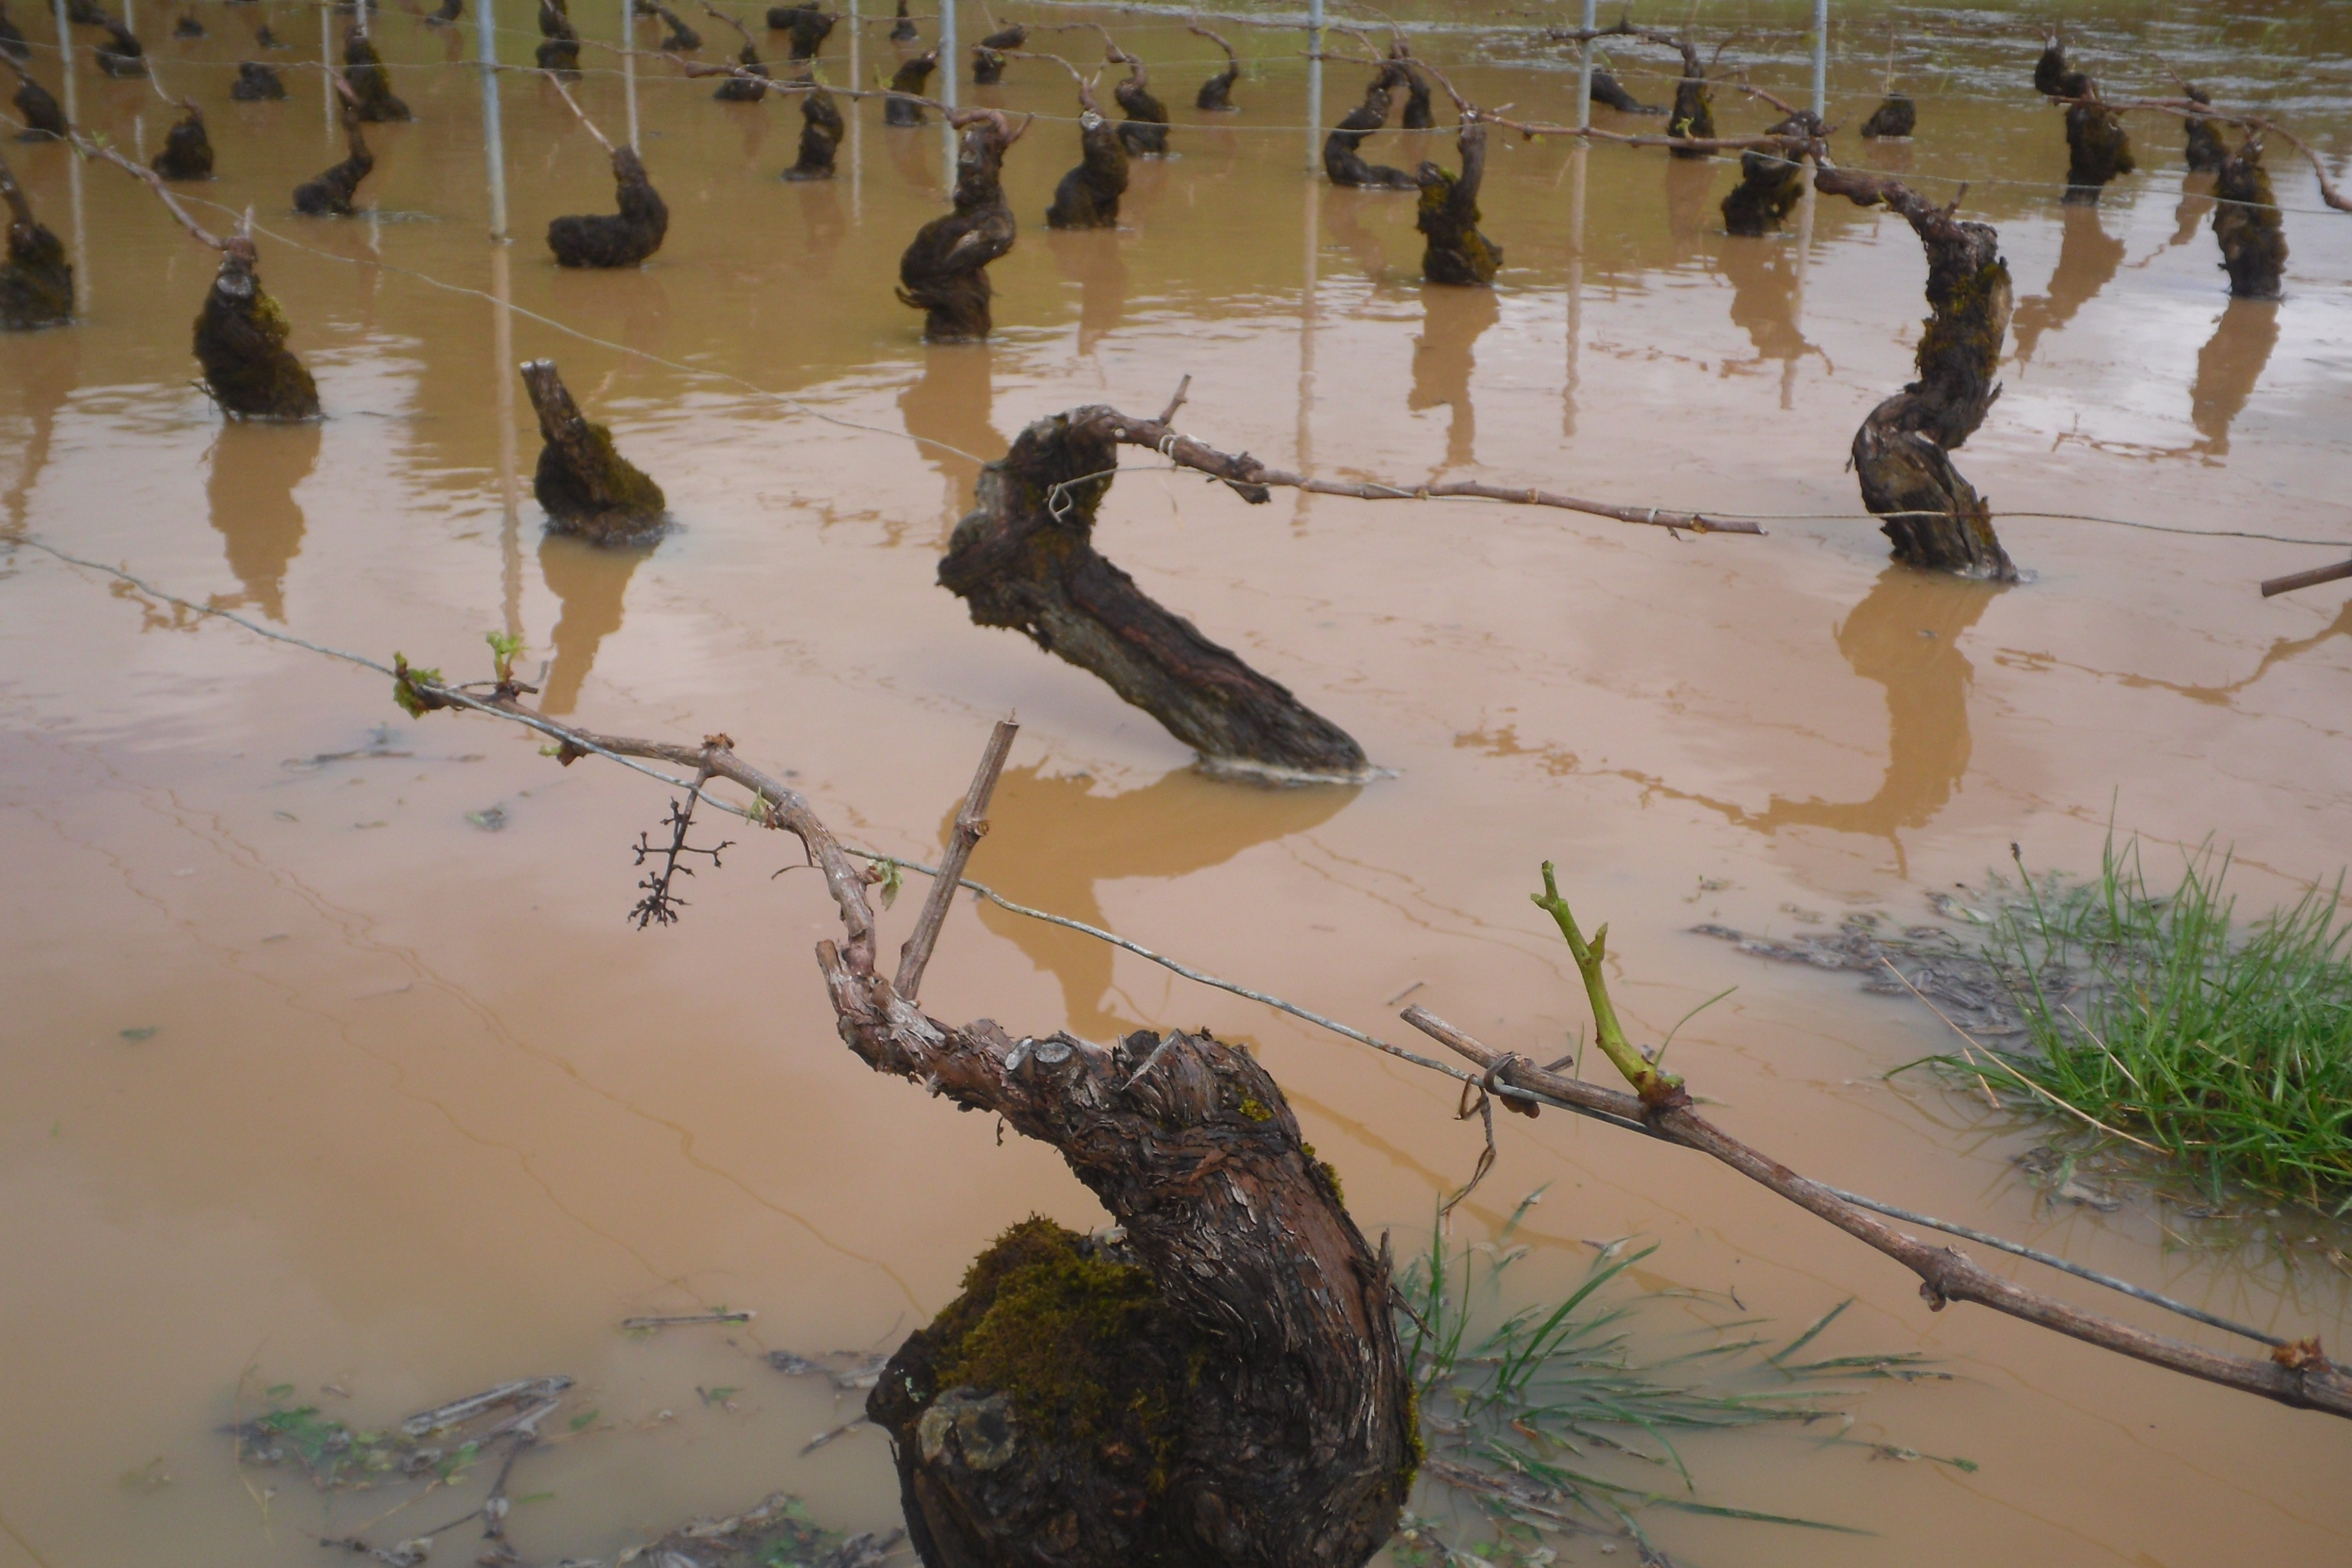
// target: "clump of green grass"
[[1547, 1423], [2226, 1045]]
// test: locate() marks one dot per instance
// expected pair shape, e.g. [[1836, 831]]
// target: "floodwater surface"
[[329, 1059]]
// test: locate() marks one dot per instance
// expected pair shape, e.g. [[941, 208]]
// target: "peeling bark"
[[364, 68], [241, 341], [1901, 454], [187, 151], [821, 128], [944, 272], [1897, 116], [910, 79], [2248, 226], [1087, 196], [589, 489], [256, 83], [1772, 180], [1025, 558], [618, 240], [36, 282], [330, 194], [1456, 252], [1343, 159]]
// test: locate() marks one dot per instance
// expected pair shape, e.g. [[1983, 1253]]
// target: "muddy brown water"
[[419, 1112]]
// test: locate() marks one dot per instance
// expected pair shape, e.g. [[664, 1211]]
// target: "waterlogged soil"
[[329, 1059]]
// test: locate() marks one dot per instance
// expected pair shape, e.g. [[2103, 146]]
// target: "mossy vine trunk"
[[1456, 252], [821, 128], [241, 341], [1343, 157], [1221, 1388], [36, 282], [589, 489], [625, 238], [1025, 558], [944, 272], [1087, 196], [2247, 223]]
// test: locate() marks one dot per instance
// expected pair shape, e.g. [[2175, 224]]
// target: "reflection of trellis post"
[[1576, 170], [1307, 311], [327, 66]]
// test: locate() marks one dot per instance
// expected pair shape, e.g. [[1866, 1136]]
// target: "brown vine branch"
[[2296, 1374], [1251, 478], [970, 824], [152, 180]]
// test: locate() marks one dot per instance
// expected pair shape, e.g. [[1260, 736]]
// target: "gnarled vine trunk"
[[944, 272], [1343, 158], [2247, 223], [1263, 1416], [256, 83], [2097, 147], [1902, 453], [37, 281], [1772, 180], [241, 341], [821, 128], [1025, 558], [187, 151], [1087, 196], [1456, 252], [615, 239], [1897, 116], [371, 83], [330, 192], [1144, 131], [911, 76]]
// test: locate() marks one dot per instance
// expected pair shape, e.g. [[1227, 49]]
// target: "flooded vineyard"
[[358, 1057]]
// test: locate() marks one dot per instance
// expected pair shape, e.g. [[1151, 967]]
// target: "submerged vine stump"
[[1897, 116], [241, 341], [120, 55], [944, 272], [1216, 94], [2205, 151], [329, 194], [44, 121], [36, 283], [589, 489], [1343, 157], [1456, 252], [2247, 222], [902, 27], [821, 128], [187, 26], [1222, 1389], [1902, 453], [559, 47], [2098, 149], [749, 87], [809, 26], [988, 55], [1087, 196], [187, 151], [1610, 93], [615, 239], [1771, 179], [907, 83], [371, 83], [1025, 558], [1144, 131], [256, 83]]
